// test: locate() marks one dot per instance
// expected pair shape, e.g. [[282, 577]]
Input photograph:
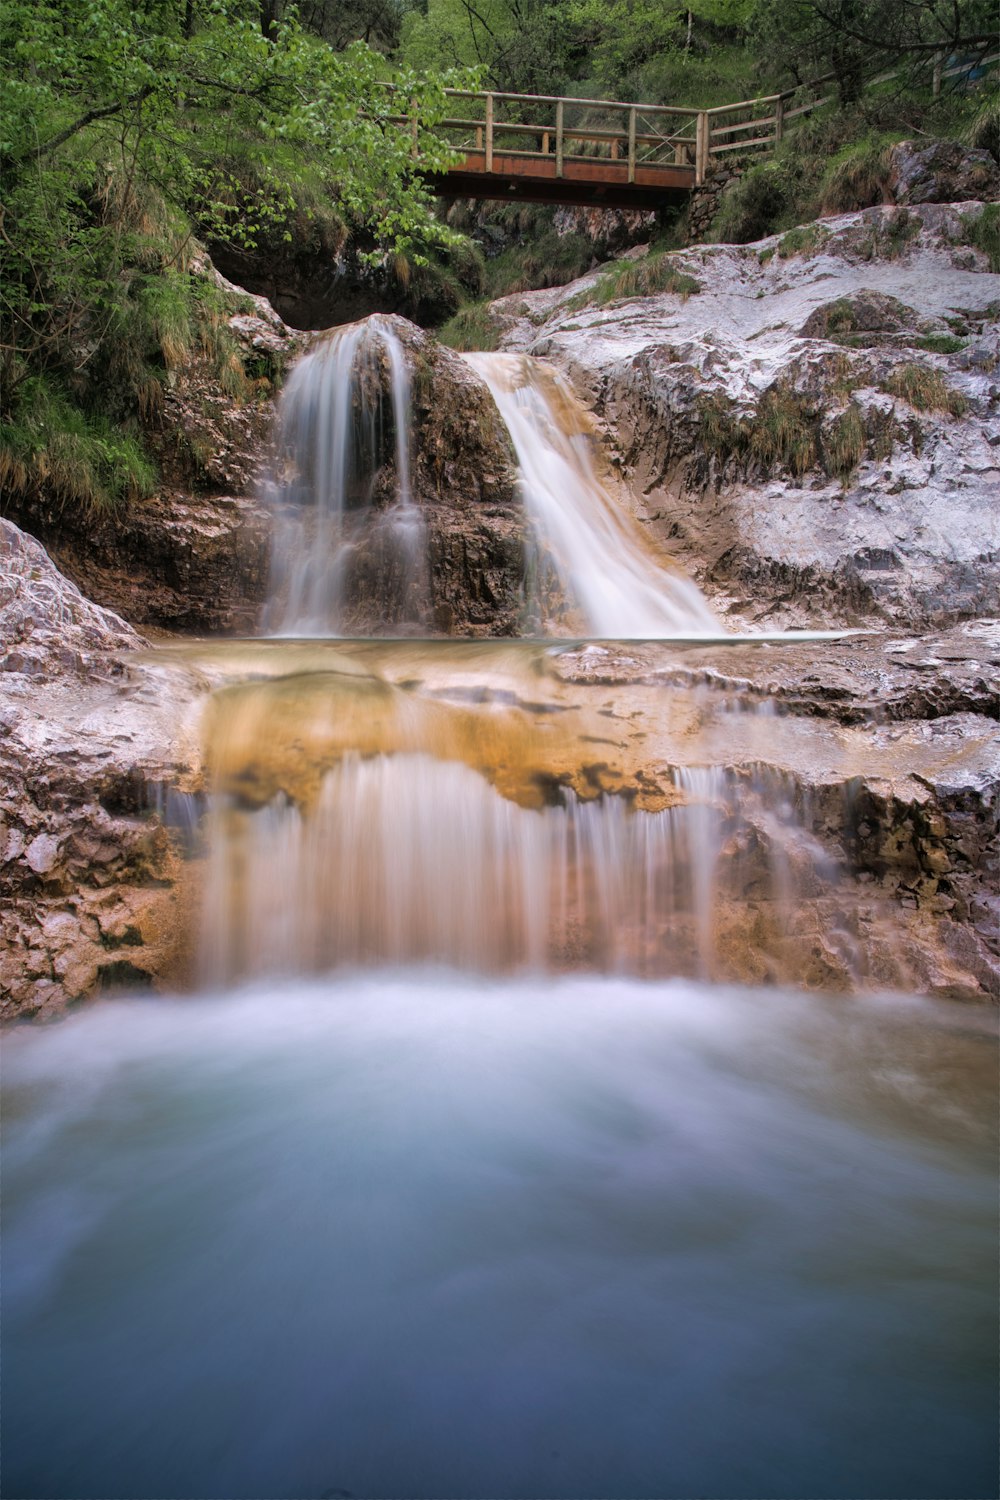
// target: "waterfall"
[[406, 858], [597, 553], [344, 415], [351, 544]]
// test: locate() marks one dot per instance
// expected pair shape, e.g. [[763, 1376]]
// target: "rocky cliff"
[[812, 423]]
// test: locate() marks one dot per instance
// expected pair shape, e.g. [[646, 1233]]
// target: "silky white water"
[[336, 428], [607, 570], [408, 1235]]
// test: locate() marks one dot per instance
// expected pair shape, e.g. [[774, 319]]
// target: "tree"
[[211, 110]]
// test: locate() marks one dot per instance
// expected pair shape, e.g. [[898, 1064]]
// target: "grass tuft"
[[924, 390]]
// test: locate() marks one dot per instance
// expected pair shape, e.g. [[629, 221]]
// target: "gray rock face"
[[88, 876], [816, 432], [943, 172], [44, 619]]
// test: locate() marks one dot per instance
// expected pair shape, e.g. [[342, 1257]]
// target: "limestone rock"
[[815, 433], [81, 737], [942, 172]]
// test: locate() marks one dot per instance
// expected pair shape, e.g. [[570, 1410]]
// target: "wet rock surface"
[[90, 881], [815, 432]]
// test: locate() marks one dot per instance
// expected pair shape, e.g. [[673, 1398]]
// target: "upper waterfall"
[[603, 564], [345, 410], [356, 546]]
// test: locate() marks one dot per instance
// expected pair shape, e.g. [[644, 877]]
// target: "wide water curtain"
[[347, 529]]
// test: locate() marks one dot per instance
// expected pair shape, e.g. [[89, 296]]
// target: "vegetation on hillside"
[[132, 132]]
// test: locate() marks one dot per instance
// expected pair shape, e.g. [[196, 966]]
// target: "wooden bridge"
[[597, 152], [603, 153]]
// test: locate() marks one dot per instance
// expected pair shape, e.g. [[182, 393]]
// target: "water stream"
[[458, 1178]]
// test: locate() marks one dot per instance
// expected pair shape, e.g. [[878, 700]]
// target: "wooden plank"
[[559, 139], [586, 169], [749, 125], [762, 140], [489, 132]]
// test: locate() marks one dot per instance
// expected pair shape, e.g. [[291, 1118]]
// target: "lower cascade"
[[405, 859]]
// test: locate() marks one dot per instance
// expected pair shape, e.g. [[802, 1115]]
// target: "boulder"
[[90, 879], [942, 172]]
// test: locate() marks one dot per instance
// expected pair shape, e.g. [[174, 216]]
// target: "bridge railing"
[[758, 124], [544, 127]]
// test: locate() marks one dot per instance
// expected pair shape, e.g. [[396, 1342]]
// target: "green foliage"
[[925, 390], [127, 131], [77, 458], [754, 205], [983, 130], [940, 343], [804, 239], [857, 176], [983, 231], [472, 327], [550, 260], [647, 276]]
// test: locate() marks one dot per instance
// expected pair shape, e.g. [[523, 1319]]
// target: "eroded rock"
[[91, 887]]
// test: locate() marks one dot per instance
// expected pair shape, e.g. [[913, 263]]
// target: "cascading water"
[[574, 884], [411, 1232], [341, 553], [601, 561], [344, 413]]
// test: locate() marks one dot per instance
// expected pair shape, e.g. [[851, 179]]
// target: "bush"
[[754, 205]]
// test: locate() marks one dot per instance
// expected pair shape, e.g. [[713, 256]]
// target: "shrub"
[[471, 328], [50, 445]]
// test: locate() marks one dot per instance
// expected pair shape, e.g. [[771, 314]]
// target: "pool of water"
[[417, 1235]]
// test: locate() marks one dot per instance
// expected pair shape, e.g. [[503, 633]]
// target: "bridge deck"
[[583, 181]]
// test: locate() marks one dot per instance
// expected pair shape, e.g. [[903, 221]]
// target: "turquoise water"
[[413, 1235]]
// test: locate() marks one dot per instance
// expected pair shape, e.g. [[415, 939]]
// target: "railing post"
[[489, 132], [545, 143], [631, 144], [701, 141], [779, 118], [559, 139], [479, 138]]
